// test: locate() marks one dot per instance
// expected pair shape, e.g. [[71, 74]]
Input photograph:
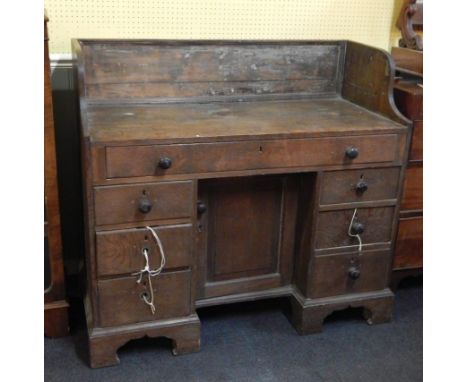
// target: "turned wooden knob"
[[354, 273], [201, 207], [145, 205], [357, 228], [165, 163], [352, 152], [361, 187]]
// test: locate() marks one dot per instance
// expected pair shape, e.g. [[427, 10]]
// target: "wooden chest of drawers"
[[408, 259], [218, 172]]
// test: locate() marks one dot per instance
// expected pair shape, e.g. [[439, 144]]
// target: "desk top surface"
[[218, 121]]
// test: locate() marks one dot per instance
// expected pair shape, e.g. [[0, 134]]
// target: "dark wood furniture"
[[408, 94], [55, 304], [258, 165], [409, 22]]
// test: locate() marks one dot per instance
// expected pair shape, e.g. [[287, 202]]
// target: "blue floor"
[[255, 342]]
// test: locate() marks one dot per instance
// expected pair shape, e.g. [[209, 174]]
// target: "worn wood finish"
[[204, 122], [121, 299], [253, 212], [122, 70], [359, 185], [332, 227], [120, 252], [104, 343], [370, 88], [331, 274], [246, 234], [238, 156], [244, 157], [55, 304], [308, 315], [122, 204]]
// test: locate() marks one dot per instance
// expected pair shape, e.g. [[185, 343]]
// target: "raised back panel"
[[162, 69]]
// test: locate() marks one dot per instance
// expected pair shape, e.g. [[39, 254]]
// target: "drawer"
[[125, 204], [416, 152], [120, 252], [340, 274], [413, 189], [409, 245], [332, 227], [248, 155], [120, 300], [359, 185]]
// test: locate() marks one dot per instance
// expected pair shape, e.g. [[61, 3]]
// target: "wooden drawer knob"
[[352, 152], [165, 163], [201, 207], [145, 205], [357, 228], [361, 187], [354, 273]]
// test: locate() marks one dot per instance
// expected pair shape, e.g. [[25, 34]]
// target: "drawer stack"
[[122, 214], [339, 264]]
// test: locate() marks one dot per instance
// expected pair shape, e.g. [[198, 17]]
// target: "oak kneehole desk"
[[218, 172]]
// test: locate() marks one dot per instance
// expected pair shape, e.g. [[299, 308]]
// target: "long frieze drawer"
[[374, 225], [131, 161], [339, 274], [120, 252], [121, 300], [143, 202], [359, 185]]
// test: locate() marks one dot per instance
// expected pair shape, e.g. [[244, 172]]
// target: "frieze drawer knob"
[[354, 273], [352, 152], [361, 187], [201, 207], [357, 228], [144, 205], [165, 163]]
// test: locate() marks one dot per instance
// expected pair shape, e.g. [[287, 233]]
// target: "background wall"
[[367, 21]]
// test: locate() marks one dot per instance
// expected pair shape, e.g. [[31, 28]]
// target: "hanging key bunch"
[[149, 273]]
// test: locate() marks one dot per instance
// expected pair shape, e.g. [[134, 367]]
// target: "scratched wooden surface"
[[193, 120], [125, 70]]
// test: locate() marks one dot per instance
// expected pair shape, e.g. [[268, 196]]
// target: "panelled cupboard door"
[[243, 235]]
